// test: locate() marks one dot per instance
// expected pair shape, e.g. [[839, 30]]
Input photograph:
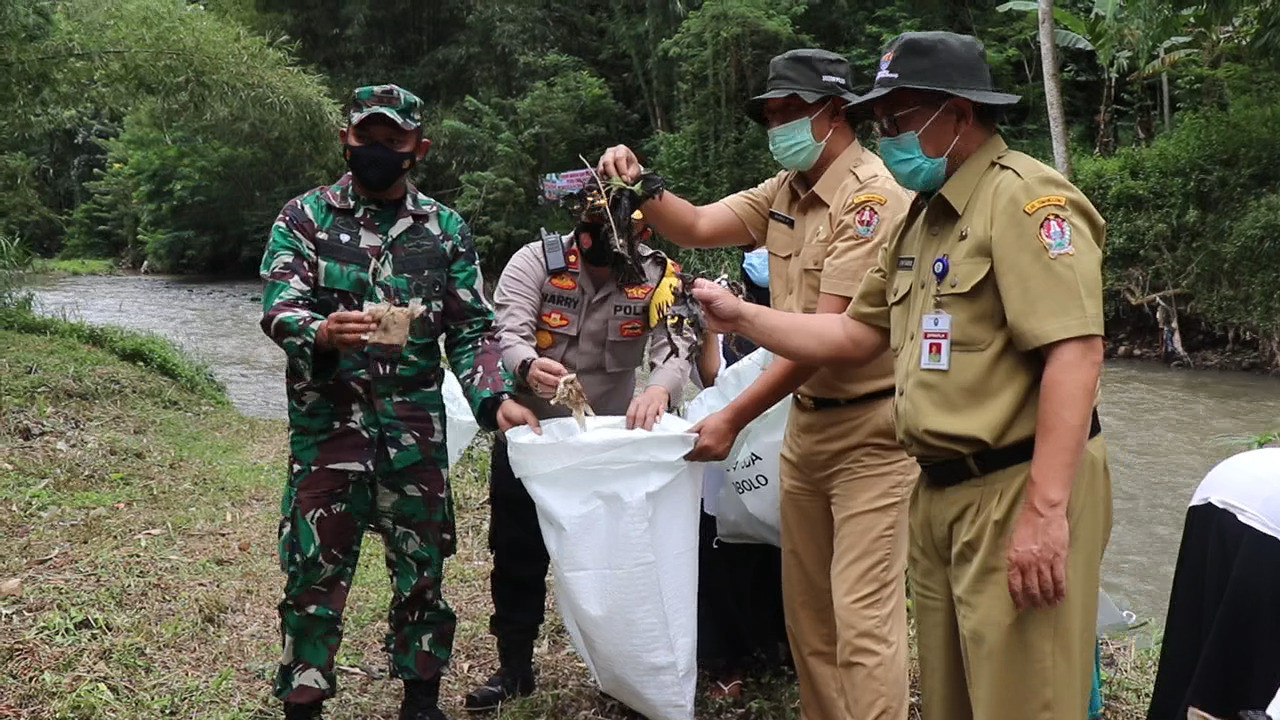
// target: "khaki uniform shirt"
[[598, 333], [824, 239], [1025, 253]]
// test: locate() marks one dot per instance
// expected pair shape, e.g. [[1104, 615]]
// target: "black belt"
[[954, 472], [820, 403]]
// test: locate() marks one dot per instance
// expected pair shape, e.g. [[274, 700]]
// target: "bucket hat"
[[939, 61], [808, 73]]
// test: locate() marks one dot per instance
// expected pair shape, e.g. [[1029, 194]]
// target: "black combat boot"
[[513, 679], [302, 711], [422, 700]]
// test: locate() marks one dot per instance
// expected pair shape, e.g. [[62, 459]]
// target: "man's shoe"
[[504, 685], [422, 700], [302, 711]]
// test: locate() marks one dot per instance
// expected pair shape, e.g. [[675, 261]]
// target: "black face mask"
[[599, 254], [375, 166]]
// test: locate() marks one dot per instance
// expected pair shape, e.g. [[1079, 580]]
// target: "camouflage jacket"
[[344, 406]]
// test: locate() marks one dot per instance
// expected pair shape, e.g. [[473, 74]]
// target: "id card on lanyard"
[[935, 341]]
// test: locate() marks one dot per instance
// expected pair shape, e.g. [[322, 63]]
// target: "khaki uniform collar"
[[834, 176], [342, 195], [960, 186]]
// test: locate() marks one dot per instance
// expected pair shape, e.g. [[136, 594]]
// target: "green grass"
[[140, 516], [74, 266]]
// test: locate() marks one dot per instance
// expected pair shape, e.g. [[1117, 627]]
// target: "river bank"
[[142, 514]]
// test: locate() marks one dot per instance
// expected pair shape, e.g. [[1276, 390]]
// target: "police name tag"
[[935, 341]]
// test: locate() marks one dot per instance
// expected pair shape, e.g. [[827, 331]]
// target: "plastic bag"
[[618, 510], [460, 426], [746, 505]]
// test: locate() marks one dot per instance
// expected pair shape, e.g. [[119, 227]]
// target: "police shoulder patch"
[[1055, 234], [870, 198], [1044, 202]]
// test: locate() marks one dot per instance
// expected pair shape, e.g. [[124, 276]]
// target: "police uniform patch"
[[637, 292], [571, 258], [544, 339], [555, 319], [1044, 202], [865, 222], [631, 329], [1055, 233], [564, 281]]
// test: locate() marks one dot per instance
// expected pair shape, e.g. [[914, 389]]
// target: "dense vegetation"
[[173, 130]]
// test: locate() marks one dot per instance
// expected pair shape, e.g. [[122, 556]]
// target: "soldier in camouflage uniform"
[[366, 421]]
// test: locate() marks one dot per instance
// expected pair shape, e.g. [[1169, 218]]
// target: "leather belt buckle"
[[805, 402]]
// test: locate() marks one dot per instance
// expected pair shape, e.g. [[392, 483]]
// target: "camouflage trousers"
[[325, 513]]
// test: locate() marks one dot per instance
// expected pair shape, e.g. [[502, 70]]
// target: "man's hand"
[[544, 375], [716, 434], [513, 414], [722, 308], [344, 330], [1037, 556], [619, 161], [647, 407]]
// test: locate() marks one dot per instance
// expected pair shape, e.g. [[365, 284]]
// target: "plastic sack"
[[460, 426], [618, 510], [746, 501]]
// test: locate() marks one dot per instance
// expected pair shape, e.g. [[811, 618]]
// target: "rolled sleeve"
[[752, 206], [1050, 293]]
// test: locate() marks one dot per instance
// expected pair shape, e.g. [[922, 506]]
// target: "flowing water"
[[1164, 428]]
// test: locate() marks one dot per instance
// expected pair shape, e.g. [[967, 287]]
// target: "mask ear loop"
[[830, 129]]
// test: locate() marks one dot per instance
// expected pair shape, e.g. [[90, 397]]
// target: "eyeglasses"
[[888, 126]]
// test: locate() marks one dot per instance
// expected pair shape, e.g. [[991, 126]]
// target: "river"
[[1165, 428]]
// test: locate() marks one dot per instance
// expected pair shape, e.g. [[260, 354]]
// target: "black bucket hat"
[[809, 73], [939, 61]]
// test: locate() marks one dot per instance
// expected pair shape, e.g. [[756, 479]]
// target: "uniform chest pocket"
[[813, 257], [969, 294], [624, 343], [340, 286], [899, 300]]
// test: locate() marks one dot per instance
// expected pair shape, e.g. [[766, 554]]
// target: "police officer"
[[823, 220], [991, 302], [366, 420], [561, 309]]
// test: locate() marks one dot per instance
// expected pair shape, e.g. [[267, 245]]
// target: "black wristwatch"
[[522, 370], [488, 415]]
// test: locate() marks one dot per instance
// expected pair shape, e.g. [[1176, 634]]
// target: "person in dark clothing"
[[740, 620]]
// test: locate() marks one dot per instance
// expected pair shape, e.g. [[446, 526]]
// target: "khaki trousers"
[[846, 484], [979, 657]]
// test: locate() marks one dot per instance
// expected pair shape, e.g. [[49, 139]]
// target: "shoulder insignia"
[[571, 258], [1046, 201], [555, 319], [544, 339], [563, 281], [865, 222], [1055, 233], [870, 198]]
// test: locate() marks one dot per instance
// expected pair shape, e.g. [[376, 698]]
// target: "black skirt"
[[1221, 649]]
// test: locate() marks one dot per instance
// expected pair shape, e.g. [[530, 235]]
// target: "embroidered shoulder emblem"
[[1055, 233], [866, 221], [870, 197]]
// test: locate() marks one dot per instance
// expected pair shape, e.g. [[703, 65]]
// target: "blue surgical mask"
[[909, 165], [756, 265], [793, 144]]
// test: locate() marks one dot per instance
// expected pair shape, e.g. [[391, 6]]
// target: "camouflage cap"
[[395, 102]]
